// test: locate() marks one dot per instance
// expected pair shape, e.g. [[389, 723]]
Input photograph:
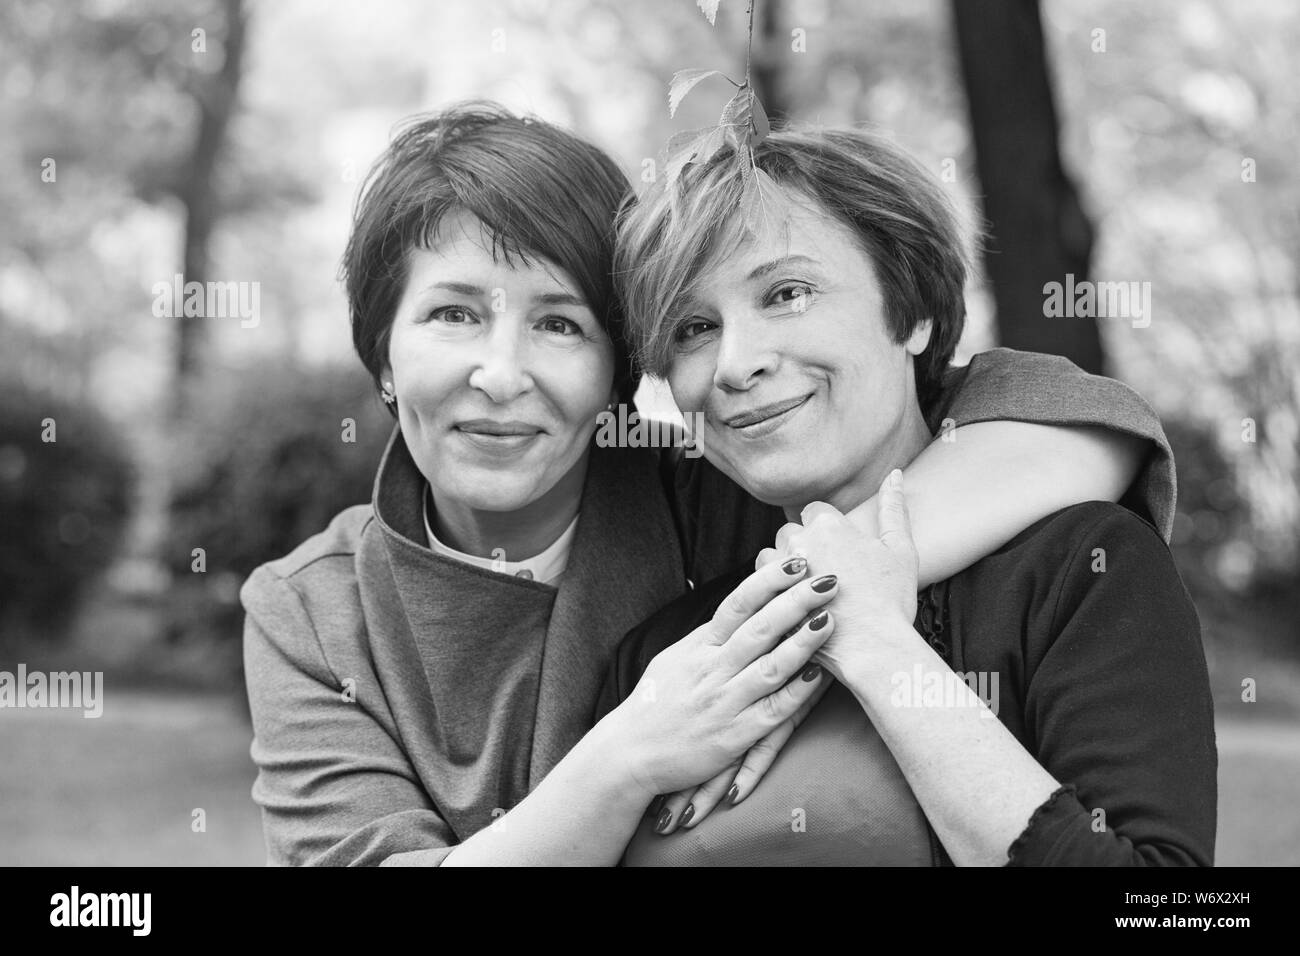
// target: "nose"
[[501, 368], [746, 353]]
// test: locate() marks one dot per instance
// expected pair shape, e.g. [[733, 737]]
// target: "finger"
[[785, 661], [783, 535], [752, 595], [709, 794], [766, 557], [760, 757], [771, 624], [675, 807], [895, 526], [767, 713], [815, 509]]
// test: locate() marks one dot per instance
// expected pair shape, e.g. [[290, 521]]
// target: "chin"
[[776, 482], [495, 491]]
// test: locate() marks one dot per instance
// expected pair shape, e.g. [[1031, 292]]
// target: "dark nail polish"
[[686, 815], [824, 583], [795, 565], [665, 818], [657, 804], [818, 622], [733, 794], [811, 671]]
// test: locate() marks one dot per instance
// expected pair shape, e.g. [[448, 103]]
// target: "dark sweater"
[[1100, 675]]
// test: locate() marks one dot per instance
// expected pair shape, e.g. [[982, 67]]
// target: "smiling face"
[[786, 351], [500, 368]]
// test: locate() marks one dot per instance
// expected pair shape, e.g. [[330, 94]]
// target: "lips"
[[498, 438], [493, 429], [763, 413]]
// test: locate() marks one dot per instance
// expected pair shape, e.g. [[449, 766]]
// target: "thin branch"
[[749, 45]]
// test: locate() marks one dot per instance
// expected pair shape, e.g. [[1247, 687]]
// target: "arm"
[[1117, 705], [336, 787], [973, 490]]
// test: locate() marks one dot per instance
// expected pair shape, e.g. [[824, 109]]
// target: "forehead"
[[789, 225], [463, 248]]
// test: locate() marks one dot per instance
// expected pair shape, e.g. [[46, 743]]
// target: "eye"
[[559, 325], [796, 295], [452, 315], [692, 329]]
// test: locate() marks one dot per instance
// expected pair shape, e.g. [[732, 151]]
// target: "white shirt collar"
[[545, 567]]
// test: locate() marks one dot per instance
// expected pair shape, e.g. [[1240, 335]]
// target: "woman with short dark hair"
[[422, 673]]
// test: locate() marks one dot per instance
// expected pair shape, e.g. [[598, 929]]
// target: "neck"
[[520, 534], [902, 445]]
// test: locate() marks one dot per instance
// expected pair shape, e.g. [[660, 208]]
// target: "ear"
[[613, 397], [920, 337]]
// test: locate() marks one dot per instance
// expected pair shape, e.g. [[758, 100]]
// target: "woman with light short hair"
[[1049, 704]]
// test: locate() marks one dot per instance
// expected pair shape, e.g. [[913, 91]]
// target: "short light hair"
[[902, 216]]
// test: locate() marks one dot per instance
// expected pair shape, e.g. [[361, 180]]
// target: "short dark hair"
[[897, 209], [541, 191]]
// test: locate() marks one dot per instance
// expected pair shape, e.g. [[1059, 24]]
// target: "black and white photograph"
[[692, 433]]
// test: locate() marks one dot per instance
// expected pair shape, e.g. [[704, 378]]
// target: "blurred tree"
[[1039, 231], [215, 95], [770, 58]]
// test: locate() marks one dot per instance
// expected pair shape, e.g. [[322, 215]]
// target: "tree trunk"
[[1039, 230], [768, 59], [216, 100]]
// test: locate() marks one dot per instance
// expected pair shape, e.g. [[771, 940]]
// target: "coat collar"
[[625, 563]]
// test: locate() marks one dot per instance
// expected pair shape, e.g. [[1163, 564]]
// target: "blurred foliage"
[[63, 505], [1155, 130], [263, 466]]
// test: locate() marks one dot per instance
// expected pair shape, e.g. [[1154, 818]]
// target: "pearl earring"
[[387, 394]]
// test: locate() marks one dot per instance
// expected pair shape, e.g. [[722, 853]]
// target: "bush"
[[63, 505], [263, 466]]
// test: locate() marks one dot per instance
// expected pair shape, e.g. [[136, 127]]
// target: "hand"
[[711, 696], [878, 573], [736, 781]]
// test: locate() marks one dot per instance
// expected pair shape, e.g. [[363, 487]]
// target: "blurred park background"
[[225, 140]]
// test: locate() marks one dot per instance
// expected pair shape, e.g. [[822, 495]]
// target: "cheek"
[[578, 383], [690, 379], [423, 372]]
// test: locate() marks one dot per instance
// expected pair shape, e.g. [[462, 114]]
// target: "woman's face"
[[805, 396], [499, 369]]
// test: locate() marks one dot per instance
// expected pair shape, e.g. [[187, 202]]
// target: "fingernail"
[[795, 565], [811, 672], [657, 804], [824, 583], [733, 794], [817, 623], [896, 478], [686, 815], [665, 818]]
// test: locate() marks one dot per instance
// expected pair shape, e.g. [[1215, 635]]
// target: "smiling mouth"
[[769, 415], [498, 436]]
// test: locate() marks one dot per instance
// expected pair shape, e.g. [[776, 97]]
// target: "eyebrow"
[[769, 267], [546, 298]]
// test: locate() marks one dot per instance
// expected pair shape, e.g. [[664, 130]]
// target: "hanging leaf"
[[745, 117], [683, 82], [710, 9], [701, 148]]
